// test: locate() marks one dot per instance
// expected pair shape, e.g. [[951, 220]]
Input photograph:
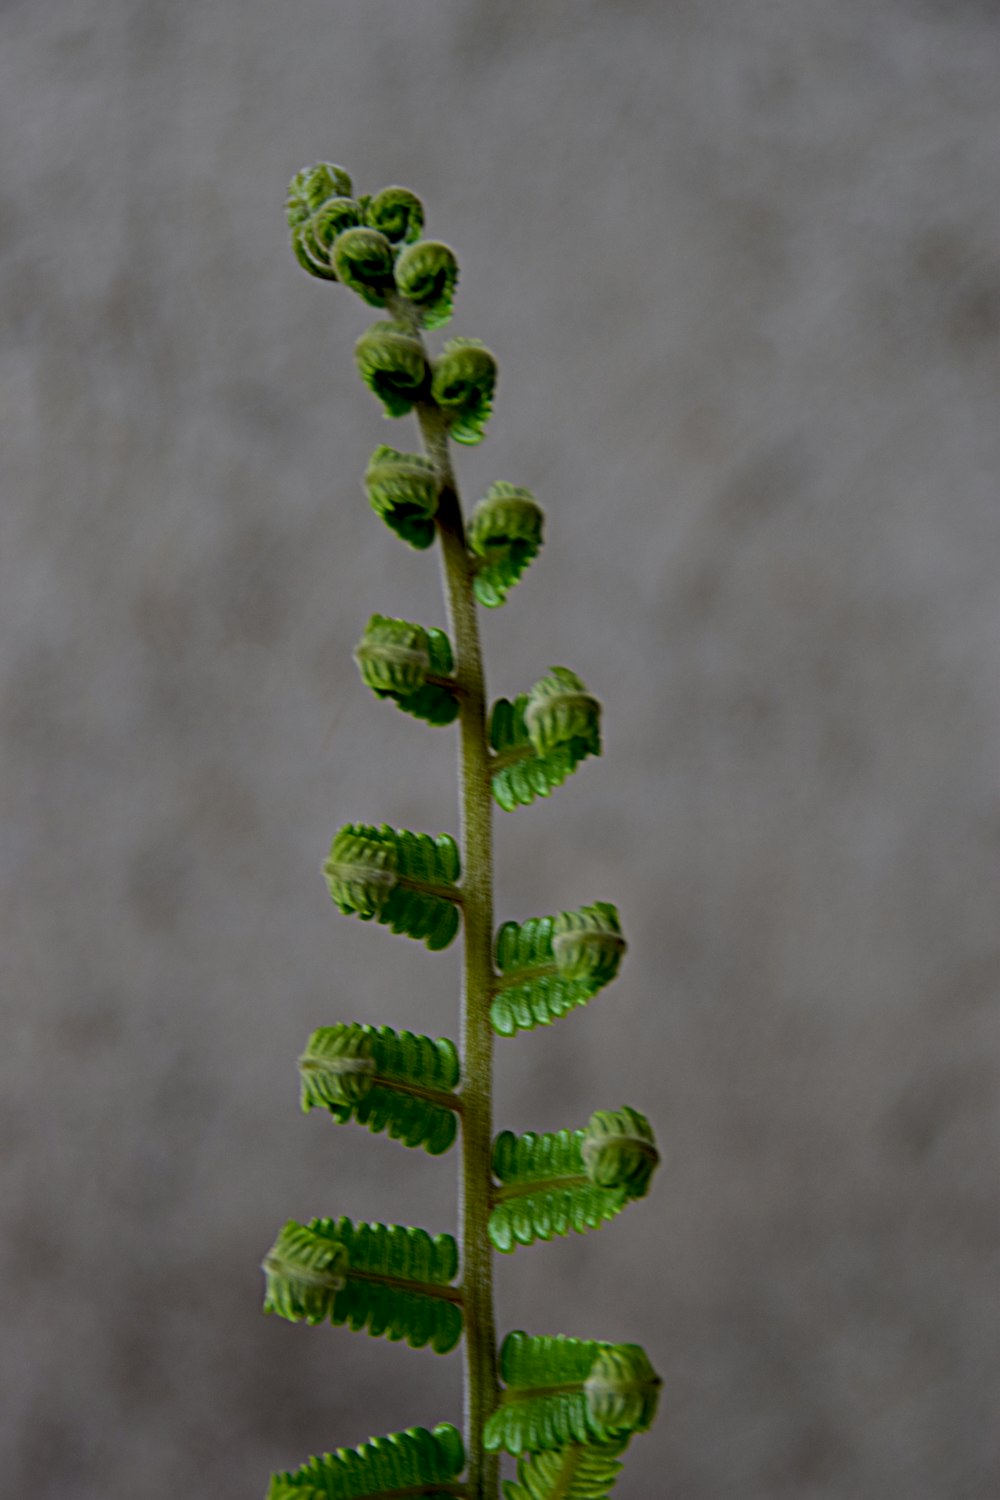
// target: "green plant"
[[567, 1407]]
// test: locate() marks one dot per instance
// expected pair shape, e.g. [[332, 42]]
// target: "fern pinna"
[[565, 1409]]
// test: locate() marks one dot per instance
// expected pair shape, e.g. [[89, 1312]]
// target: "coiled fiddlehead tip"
[[505, 533], [463, 382], [619, 1150], [426, 275], [403, 489], [319, 207], [363, 260], [392, 365], [397, 213], [560, 711], [588, 944]]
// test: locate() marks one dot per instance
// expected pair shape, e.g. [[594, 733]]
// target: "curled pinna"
[[405, 881], [463, 381], [319, 208], [619, 1150], [395, 212], [403, 488], [410, 665], [426, 275], [393, 366], [505, 533], [363, 260]]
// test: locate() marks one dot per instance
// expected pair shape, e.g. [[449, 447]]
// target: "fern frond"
[[399, 1083], [561, 1391], [505, 533], [392, 1280], [542, 737], [549, 965], [410, 665], [569, 1179], [403, 880], [414, 1462], [573, 1473], [402, 488]]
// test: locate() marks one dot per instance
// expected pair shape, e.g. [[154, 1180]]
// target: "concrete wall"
[[741, 264]]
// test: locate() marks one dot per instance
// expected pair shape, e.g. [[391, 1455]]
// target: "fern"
[[550, 965], [542, 737], [391, 1280], [410, 665], [569, 1407], [415, 1462], [403, 880], [562, 1391], [569, 1179], [573, 1473]]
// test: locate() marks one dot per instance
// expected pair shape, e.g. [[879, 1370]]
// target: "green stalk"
[[480, 1349]]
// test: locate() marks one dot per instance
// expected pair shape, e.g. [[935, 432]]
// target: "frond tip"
[[402, 488], [569, 1179], [550, 965], [410, 665], [414, 1462], [561, 1391], [405, 881], [541, 738], [400, 1083], [389, 1279], [505, 533]]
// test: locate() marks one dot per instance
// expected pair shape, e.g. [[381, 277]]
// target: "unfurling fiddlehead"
[[410, 665], [403, 489], [542, 737], [569, 1407], [569, 1179], [505, 533], [403, 880], [388, 1279], [402, 1084], [561, 1390], [549, 965]]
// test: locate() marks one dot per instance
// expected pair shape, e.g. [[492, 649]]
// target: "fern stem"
[[481, 1386]]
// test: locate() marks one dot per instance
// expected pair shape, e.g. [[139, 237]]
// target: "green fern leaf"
[[561, 1391], [569, 1179], [549, 965], [573, 1473], [414, 1462], [392, 1280], [405, 881], [505, 534], [410, 665], [399, 1083], [542, 737]]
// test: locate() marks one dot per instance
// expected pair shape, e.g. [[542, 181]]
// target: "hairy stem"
[[481, 1389]]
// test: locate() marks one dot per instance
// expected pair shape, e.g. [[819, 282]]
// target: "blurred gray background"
[[741, 265]]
